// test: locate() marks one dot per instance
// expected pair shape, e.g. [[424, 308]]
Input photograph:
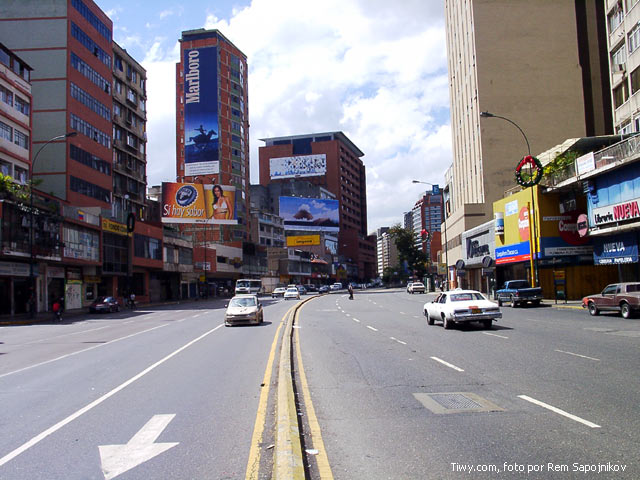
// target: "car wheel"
[[487, 324], [593, 311], [536, 303], [446, 323], [429, 319], [513, 302], [625, 310], [499, 302]]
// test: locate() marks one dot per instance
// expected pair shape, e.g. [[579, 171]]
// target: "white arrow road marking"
[[117, 459]]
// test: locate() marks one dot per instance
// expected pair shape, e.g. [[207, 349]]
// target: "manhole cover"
[[456, 402]]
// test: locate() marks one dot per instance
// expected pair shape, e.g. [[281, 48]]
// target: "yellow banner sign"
[[114, 227], [302, 240]]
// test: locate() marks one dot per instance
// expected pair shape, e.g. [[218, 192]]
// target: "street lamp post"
[[32, 278], [206, 231], [446, 257], [532, 217]]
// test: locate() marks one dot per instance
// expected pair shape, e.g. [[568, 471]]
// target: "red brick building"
[[342, 172], [223, 126]]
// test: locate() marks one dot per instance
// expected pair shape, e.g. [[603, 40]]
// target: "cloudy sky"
[[374, 69]]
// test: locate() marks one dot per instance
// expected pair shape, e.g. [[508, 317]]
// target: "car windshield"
[[465, 297], [519, 284], [243, 302]]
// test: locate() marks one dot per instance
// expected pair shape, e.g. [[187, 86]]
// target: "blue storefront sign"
[[518, 252], [201, 132], [616, 249]]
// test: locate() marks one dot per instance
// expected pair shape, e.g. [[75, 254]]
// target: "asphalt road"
[[558, 388], [173, 376]]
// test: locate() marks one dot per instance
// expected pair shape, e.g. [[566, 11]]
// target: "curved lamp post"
[[534, 240], [446, 257], [32, 278]]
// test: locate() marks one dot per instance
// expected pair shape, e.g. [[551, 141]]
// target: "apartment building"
[[544, 67]]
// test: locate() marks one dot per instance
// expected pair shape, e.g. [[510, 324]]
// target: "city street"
[[372, 361], [69, 390], [169, 392]]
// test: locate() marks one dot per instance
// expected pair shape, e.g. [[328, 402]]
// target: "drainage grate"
[[456, 402]]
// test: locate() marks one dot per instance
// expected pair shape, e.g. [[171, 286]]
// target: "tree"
[[407, 251]]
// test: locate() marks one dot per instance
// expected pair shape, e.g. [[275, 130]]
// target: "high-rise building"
[[334, 162], [623, 40], [427, 216], [212, 143], [386, 250], [542, 66]]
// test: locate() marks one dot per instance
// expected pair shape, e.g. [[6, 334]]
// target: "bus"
[[248, 285]]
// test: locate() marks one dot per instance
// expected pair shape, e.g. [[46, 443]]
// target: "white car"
[[278, 292], [458, 306], [336, 286], [243, 309], [416, 287], [292, 292]]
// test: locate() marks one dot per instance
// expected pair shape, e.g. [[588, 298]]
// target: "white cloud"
[[375, 70], [165, 13]]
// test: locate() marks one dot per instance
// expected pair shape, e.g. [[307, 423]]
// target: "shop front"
[[15, 288], [478, 251]]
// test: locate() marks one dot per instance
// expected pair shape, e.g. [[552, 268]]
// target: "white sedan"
[[292, 292], [459, 306]]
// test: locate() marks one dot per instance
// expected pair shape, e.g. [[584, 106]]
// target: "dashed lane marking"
[[371, 328], [450, 365], [355, 319], [494, 335], [578, 355], [399, 341], [559, 412]]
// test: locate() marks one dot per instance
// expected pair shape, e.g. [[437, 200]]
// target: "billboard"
[[299, 166], [201, 130], [313, 214], [303, 240], [197, 203]]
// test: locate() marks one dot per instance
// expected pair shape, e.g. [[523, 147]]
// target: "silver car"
[[242, 310]]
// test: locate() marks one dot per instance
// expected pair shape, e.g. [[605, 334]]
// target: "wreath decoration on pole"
[[536, 169]]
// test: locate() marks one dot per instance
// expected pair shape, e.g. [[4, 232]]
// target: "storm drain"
[[456, 402]]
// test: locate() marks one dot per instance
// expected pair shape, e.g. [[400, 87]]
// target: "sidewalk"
[[573, 304]]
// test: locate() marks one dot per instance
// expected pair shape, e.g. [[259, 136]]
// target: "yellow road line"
[[253, 464], [322, 460]]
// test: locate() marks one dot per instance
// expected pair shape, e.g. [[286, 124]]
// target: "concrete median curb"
[[288, 459]]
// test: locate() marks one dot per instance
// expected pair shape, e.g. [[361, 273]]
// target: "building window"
[[131, 96], [6, 131], [625, 128], [90, 73], [621, 93], [633, 39], [615, 18], [5, 168], [21, 105], [20, 175], [147, 247], [619, 57], [81, 244], [117, 63], [89, 189], [90, 17], [90, 131], [21, 139], [90, 160], [115, 253], [635, 81], [84, 39], [6, 95], [89, 101]]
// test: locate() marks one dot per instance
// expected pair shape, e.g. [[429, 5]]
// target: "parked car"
[[617, 297], [311, 288], [409, 286], [336, 286], [292, 292], [301, 289], [324, 289], [416, 287], [244, 309], [459, 306], [518, 292], [104, 304], [278, 292]]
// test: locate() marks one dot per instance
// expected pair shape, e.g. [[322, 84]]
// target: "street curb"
[[574, 307], [288, 461]]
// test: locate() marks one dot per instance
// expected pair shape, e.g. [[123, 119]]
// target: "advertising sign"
[[303, 240], [313, 214], [513, 253], [201, 130], [618, 212], [523, 224], [197, 203], [614, 250], [586, 163], [499, 223], [114, 227], [511, 208], [299, 166]]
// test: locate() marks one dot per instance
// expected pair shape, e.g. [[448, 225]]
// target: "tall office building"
[[427, 215], [334, 162], [212, 143], [542, 66], [623, 40]]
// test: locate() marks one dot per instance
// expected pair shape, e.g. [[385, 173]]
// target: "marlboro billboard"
[[197, 203]]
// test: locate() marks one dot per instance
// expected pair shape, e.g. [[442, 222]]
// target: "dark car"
[[311, 288], [104, 304], [617, 297]]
